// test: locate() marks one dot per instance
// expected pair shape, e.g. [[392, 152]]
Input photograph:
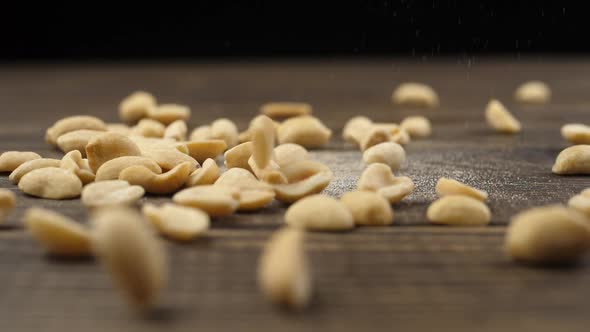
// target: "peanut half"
[[254, 194], [111, 169], [576, 133], [111, 192], [226, 130], [356, 128], [153, 183], [368, 208], [177, 130], [207, 174], [30, 165], [176, 222], [7, 203], [107, 146], [445, 186], [415, 94], [500, 119], [201, 133], [416, 126], [73, 123], [76, 140], [573, 160], [168, 113], [51, 183], [319, 212], [306, 131], [458, 210], [379, 178], [533, 92], [203, 150], [288, 153], [136, 106], [388, 153], [149, 128], [238, 156], [168, 159], [374, 136], [262, 133], [215, 200], [285, 109], [74, 162], [283, 270], [11, 160]]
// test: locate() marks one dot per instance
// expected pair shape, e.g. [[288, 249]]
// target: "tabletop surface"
[[410, 276]]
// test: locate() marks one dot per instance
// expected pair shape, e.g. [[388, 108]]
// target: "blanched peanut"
[[107, 146], [51, 183], [400, 136], [254, 194], [238, 156], [167, 159], [11, 160], [379, 178], [207, 174], [283, 270], [177, 222], [533, 92], [270, 174], [581, 203], [415, 94], [168, 113], [374, 136], [573, 160], [319, 212], [73, 123], [153, 183], [446, 186], [119, 128], [304, 178], [111, 192], [226, 130], [112, 168], [203, 150], [30, 165], [177, 130], [201, 133], [550, 234], [416, 126], [152, 143], [306, 131], [368, 208], [458, 210], [388, 153], [285, 109], [57, 234], [244, 136], [149, 128], [215, 200], [129, 251], [262, 133], [288, 153], [76, 140], [136, 106], [74, 163], [500, 119], [576, 133], [7, 203], [356, 128]]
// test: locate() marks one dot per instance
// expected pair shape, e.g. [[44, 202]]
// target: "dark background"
[[207, 29]]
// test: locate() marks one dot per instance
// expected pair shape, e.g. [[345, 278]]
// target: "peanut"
[[177, 130], [149, 128], [7, 203], [118, 128], [368, 208], [262, 133], [11, 160], [304, 178], [112, 168], [168, 113], [226, 130], [379, 178], [107, 146], [416, 126], [388, 153], [319, 212], [573, 160], [355, 129], [111, 192], [203, 150], [288, 153], [238, 156], [458, 210], [270, 173], [533, 92], [285, 109], [73, 123], [576, 133], [30, 165], [73, 162], [152, 143], [153, 183], [51, 183], [374, 136], [415, 94], [136, 106], [306, 131], [254, 194], [177, 222], [581, 203], [215, 200], [446, 186], [76, 140], [500, 119], [207, 174], [167, 159], [57, 234], [201, 133]]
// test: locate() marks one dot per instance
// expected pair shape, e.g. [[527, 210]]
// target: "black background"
[[209, 29]]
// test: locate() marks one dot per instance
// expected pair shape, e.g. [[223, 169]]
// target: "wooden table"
[[406, 277]]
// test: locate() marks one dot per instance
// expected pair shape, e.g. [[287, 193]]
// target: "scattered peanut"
[[374, 136], [288, 153], [576, 133], [177, 130], [446, 186], [283, 270], [153, 183], [107, 146], [306, 131], [207, 174], [73, 123], [400, 136], [379, 178], [149, 128], [262, 133], [573, 160], [201, 133], [118, 128], [203, 150], [500, 119], [254, 194], [581, 203], [215, 200], [458, 210], [550, 234], [226, 130], [30, 165], [416, 126], [319, 212], [111, 192], [177, 222], [168, 113], [136, 106], [73, 162], [271, 173], [153, 143], [415, 94], [356, 128], [128, 249], [238, 156], [285, 109], [11, 160], [533, 92], [167, 159], [76, 140], [388, 153], [112, 168], [7, 203], [368, 208], [51, 183]]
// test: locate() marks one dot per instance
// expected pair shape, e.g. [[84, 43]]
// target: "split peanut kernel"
[[74, 163], [149, 128], [111, 192], [107, 146], [379, 178], [201, 133], [270, 174], [176, 222], [153, 183], [573, 160], [374, 136], [416, 126], [7, 203], [226, 130], [57, 234], [581, 203], [306, 131], [321, 213], [207, 174], [285, 109], [51, 183], [168, 113], [11, 160], [206, 149], [215, 200], [533, 92], [415, 94], [168, 159], [30, 165], [238, 156], [368, 208], [254, 194], [119, 128], [112, 168], [388, 153], [576, 133], [550, 234], [446, 186], [76, 140], [177, 130], [500, 119], [262, 133], [458, 210], [314, 184], [288, 153], [356, 128], [154, 143], [73, 123], [283, 270], [136, 106], [128, 249]]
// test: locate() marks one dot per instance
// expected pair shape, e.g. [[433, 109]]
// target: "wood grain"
[[410, 276]]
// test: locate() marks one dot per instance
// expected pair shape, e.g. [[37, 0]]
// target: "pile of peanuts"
[[110, 167]]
